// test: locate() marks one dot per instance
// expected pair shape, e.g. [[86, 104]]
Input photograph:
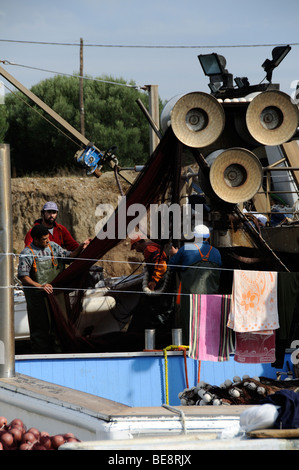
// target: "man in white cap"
[[198, 265], [57, 232], [200, 250]]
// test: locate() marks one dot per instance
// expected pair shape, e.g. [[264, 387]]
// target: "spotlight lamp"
[[213, 66], [278, 54]]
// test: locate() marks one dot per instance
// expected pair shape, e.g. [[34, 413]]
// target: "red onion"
[[46, 442], [35, 432], [16, 433], [6, 439], [57, 440], [3, 422], [14, 436], [28, 437], [25, 446], [16, 422]]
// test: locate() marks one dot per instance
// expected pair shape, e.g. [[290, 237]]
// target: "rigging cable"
[[139, 46]]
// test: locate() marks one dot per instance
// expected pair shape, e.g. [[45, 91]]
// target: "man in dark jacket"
[[198, 265]]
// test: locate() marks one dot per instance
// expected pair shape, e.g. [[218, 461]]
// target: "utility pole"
[[154, 113], [82, 123]]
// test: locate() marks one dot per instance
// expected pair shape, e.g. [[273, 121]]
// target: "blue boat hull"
[[136, 379]]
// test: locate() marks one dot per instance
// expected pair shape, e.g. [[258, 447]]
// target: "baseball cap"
[[201, 231], [50, 206]]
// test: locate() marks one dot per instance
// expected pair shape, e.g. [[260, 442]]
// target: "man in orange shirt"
[[155, 310], [155, 259]]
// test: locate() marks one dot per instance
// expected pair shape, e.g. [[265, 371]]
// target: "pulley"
[[272, 118], [197, 119], [236, 175]]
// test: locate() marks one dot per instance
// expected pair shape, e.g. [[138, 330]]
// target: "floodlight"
[[212, 64], [278, 54]]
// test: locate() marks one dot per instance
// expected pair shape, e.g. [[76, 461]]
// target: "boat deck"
[[103, 408], [103, 424]]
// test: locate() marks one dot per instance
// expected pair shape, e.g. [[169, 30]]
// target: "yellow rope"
[[169, 348]]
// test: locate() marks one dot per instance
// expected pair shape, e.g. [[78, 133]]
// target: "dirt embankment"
[[77, 199]]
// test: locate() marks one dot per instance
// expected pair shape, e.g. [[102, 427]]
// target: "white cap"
[[50, 206], [201, 231]]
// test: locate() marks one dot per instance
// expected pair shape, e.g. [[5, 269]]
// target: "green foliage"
[[111, 117], [3, 122]]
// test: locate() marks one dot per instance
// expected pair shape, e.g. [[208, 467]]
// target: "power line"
[[200, 46], [7, 62]]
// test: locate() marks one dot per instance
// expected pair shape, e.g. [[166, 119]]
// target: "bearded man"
[[57, 232]]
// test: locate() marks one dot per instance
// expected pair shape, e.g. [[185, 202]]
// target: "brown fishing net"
[[150, 187]]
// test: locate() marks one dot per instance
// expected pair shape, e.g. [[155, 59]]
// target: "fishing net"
[[150, 187]]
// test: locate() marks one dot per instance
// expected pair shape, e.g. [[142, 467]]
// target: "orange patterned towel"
[[254, 302]]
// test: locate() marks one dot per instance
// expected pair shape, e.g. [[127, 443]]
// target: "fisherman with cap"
[[40, 263], [198, 265], [57, 232]]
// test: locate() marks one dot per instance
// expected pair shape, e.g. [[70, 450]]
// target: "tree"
[[3, 122], [112, 117]]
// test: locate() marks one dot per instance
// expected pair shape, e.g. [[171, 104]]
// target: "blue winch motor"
[[90, 159], [93, 159]]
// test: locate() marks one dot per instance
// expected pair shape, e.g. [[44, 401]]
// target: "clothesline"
[[261, 314], [220, 268], [96, 289]]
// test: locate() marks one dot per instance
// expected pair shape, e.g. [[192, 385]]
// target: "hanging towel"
[[254, 302], [254, 348], [210, 339]]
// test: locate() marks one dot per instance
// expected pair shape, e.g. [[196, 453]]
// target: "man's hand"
[[48, 288], [151, 285], [80, 248], [27, 281], [173, 250], [86, 243]]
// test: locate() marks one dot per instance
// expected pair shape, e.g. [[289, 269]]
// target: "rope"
[[219, 268], [198, 373], [173, 348], [180, 412]]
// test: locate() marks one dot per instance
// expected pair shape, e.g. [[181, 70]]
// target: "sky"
[[244, 35]]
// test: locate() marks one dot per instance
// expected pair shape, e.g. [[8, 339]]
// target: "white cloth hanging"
[[254, 306]]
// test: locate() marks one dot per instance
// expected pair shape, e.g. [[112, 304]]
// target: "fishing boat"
[[124, 390]]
